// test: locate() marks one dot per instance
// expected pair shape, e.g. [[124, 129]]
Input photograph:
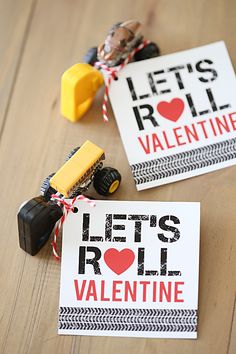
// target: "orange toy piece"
[[79, 85]]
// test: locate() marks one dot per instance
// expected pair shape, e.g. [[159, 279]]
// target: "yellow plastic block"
[[73, 172], [79, 85]]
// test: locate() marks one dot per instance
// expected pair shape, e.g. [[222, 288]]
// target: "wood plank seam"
[[18, 64], [18, 285], [36, 309], [231, 327]]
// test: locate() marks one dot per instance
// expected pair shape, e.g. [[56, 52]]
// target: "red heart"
[[171, 110], [119, 261]]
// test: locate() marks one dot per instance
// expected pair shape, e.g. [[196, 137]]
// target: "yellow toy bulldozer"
[[79, 85]]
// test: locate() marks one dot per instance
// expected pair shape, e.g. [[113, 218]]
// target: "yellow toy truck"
[[84, 165]]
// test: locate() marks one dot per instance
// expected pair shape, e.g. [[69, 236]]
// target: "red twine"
[[67, 208], [113, 75]]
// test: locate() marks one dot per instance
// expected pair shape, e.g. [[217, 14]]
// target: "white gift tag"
[[130, 269], [177, 114]]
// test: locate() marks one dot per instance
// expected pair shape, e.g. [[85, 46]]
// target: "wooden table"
[[38, 41]]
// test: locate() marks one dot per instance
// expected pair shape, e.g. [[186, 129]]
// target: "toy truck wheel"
[[72, 153], [150, 51], [107, 181], [46, 190], [91, 56]]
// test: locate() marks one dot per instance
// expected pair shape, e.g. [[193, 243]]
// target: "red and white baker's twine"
[[67, 207], [113, 75]]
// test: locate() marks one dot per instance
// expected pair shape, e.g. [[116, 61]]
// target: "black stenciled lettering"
[[212, 100], [153, 221], [170, 228], [108, 227], [179, 80], [140, 261], [176, 68], [85, 230], [151, 272], [138, 225], [163, 270], [173, 273], [138, 217], [119, 227], [200, 68], [93, 261], [137, 232], [119, 239], [152, 84], [85, 227], [131, 89], [119, 216], [163, 261], [190, 68], [224, 106], [191, 105], [158, 82], [204, 112], [148, 115], [146, 95]]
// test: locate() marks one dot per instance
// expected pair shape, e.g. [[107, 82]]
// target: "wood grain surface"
[[39, 39]]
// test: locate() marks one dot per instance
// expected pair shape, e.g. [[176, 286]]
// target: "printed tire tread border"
[[117, 319], [183, 162]]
